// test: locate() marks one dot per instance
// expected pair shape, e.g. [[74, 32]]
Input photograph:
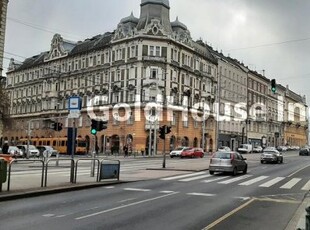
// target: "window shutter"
[[164, 52], [113, 55], [128, 53], [123, 54]]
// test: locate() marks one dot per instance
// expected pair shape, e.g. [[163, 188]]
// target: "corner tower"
[[155, 12]]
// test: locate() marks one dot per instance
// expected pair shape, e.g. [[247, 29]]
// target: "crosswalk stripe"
[[183, 176], [307, 186], [215, 179], [272, 182], [255, 180], [195, 178], [291, 183], [234, 179]]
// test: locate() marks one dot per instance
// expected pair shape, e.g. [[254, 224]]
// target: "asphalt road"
[[266, 198]]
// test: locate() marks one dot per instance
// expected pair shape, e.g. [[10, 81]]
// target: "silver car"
[[232, 162], [273, 156]]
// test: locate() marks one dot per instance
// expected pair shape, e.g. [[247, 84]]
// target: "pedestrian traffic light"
[[273, 85], [162, 132], [57, 126]]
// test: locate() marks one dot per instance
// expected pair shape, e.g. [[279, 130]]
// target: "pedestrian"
[[5, 147], [125, 149]]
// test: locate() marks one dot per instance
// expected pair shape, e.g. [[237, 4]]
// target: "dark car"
[[304, 151], [273, 156]]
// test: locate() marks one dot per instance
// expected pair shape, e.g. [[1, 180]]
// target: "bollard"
[[308, 218]]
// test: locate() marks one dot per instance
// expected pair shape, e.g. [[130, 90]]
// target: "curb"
[[35, 193]]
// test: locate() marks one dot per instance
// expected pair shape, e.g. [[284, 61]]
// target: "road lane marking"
[[272, 182], [195, 178], [307, 186], [183, 176], [298, 171], [137, 189], [255, 180], [200, 194], [242, 198], [125, 206], [48, 215], [234, 179], [215, 179], [278, 200], [166, 192], [210, 226], [291, 183]]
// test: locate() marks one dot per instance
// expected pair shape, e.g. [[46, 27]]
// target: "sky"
[[273, 36]]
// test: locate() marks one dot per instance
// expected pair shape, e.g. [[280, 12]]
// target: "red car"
[[193, 152]]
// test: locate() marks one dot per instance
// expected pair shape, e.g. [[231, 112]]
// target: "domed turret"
[[179, 24], [130, 18]]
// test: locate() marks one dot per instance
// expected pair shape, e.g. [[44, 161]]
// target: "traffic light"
[[168, 129], [162, 132], [57, 126], [93, 129], [97, 126], [273, 85]]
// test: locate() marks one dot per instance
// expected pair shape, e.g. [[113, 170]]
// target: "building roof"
[[177, 23], [163, 2], [130, 18]]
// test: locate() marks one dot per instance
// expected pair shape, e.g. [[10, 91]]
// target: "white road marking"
[[255, 180], [234, 179], [137, 189], [307, 186], [182, 176], [166, 191], [291, 183], [242, 197], [298, 171], [195, 178], [125, 206], [48, 215], [272, 182], [109, 187], [215, 179], [200, 194], [122, 201]]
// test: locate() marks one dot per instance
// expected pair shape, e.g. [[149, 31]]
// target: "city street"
[[265, 198]]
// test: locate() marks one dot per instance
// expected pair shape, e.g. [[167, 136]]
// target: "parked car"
[[257, 149], [245, 148], [270, 149], [47, 151], [177, 152], [281, 148], [304, 151], [15, 152], [33, 151], [224, 148], [232, 162], [192, 152], [273, 156]]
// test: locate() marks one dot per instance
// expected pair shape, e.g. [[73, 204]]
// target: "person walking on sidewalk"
[[5, 148], [125, 149]]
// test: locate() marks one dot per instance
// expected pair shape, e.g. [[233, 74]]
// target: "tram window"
[[48, 143], [62, 143], [35, 143], [54, 143], [40, 142]]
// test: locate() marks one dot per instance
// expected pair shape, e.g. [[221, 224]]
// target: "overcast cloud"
[[265, 35]]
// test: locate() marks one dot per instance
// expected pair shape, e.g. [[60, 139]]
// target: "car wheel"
[[262, 162], [279, 161], [202, 155], [181, 157], [234, 173], [171, 156], [211, 172], [282, 161], [245, 170]]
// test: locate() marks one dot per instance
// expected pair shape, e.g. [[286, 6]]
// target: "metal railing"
[[87, 159], [10, 169]]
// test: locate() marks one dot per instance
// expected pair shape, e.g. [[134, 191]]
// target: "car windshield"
[[13, 148], [269, 152], [48, 148], [31, 147], [222, 155], [243, 146], [186, 149]]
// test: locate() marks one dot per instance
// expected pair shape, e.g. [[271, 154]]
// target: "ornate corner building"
[[3, 12], [145, 60]]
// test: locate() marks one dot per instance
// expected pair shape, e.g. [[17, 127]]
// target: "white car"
[[178, 151], [33, 151], [224, 149], [257, 149], [15, 152]]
